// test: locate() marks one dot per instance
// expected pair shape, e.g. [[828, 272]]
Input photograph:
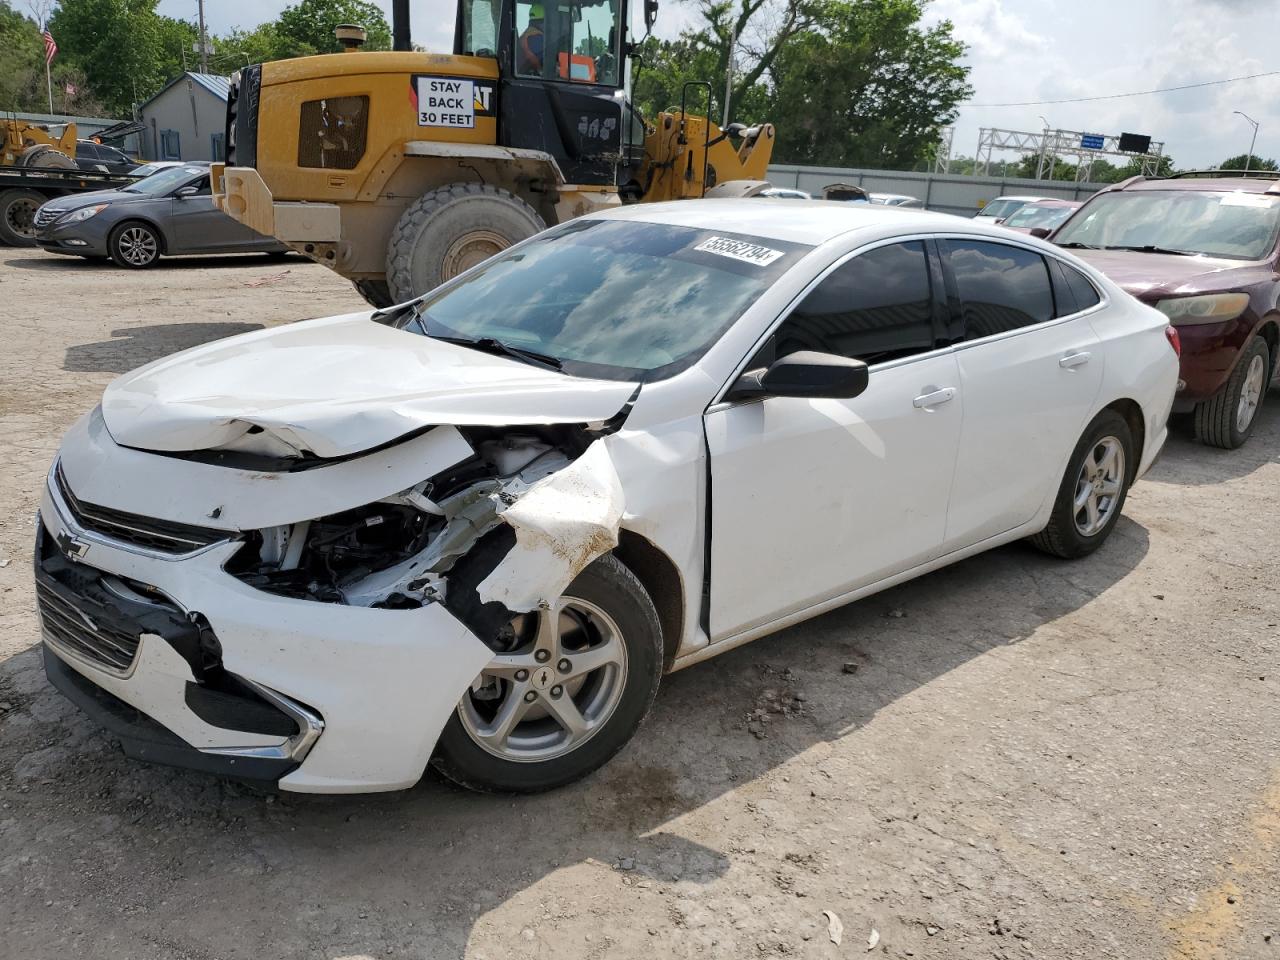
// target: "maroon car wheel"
[[1227, 419]]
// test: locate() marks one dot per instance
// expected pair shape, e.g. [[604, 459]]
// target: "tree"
[[1255, 163], [870, 88], [307, 27], [125, 50]]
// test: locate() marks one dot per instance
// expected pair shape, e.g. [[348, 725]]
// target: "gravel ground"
[[1015, 757]]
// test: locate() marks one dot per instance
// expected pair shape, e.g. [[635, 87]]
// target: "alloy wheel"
[[137, 245], [557, 686], [1251, 393], [1098, 486]]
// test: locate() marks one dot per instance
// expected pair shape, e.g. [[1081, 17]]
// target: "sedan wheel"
[[135, 245], [1092, 492], [566, 688], [561, 686], [1251, 393], [1227, 419], [1098, 486]]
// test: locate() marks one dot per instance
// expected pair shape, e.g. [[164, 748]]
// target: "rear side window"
[[86, 151], [1085, 292], [1001, 288], [332, 132], [877, 306]]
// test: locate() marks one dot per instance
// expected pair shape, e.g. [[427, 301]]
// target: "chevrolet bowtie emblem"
[[73, 547]]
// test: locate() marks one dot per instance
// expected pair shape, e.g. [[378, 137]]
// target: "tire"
[[375, 292], [48, 158], [134, 245], [512, 766], [450, 230], [17, 213], [1218, 419], [1066, 536]]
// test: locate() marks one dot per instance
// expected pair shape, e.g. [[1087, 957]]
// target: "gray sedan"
[[168, 213]]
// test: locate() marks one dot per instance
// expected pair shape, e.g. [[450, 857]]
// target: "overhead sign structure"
[[1092, 141]]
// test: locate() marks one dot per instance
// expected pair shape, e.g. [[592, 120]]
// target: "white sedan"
[[476, 529]]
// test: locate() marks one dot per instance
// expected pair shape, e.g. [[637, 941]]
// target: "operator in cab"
[[531, 43]]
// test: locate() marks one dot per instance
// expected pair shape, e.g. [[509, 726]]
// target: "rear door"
[[814, 498], [1030, 369]]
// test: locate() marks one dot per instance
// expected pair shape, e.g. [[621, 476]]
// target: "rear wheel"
[[135, 245], [1226, 420], [1093, 490], [566, 694], [450, 230], [17, 217], [46, 157], [375, 292]]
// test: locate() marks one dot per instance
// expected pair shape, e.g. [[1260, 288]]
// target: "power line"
[[1121, 96]]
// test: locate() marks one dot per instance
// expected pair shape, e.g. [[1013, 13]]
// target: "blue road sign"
[[1092, 141]]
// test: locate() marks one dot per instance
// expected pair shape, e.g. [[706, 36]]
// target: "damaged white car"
[[475, 530]]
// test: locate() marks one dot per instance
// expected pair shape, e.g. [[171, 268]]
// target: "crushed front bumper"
[[318, 697]]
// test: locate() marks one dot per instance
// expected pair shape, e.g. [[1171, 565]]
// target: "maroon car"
[[1205, 250]]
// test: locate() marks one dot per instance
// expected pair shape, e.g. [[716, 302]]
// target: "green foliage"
[[307, 26], [1255, 163], [870, 88]]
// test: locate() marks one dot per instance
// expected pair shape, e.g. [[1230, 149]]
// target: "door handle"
[[1077, 359], [937, 397]]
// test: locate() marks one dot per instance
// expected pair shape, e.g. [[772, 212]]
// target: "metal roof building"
[[186, 120]]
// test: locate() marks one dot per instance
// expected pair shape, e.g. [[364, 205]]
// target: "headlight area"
[[396, 553], [83, 214]]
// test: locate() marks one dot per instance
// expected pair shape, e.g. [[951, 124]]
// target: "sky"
[[1023, 50]]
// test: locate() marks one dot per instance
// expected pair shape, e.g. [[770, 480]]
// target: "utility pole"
[[1249, 156], [204, 39], [728, 74]]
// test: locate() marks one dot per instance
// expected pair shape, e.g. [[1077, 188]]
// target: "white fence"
[[948, 193]]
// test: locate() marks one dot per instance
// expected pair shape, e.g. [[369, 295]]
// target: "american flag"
[[71, 89], [50, 48]]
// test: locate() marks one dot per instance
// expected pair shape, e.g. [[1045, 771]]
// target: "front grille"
[[44, 216], [163, 536], [65, 626]]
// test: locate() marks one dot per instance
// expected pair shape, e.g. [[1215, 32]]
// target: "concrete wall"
[[189, 109], [945, 193]]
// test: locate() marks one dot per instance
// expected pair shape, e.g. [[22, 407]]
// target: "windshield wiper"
[[1077, 245], [1151, 248], [494, 345]]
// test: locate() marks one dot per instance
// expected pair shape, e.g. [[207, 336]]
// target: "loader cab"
[[561, 66]]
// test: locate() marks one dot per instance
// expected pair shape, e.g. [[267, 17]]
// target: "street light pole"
[[1249, 156]]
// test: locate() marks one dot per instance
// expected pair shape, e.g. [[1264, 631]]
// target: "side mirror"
[[650, 14], [187, 191], [1040, 232], [805, 373]]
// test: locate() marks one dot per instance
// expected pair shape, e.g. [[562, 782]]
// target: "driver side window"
[[874, 307]]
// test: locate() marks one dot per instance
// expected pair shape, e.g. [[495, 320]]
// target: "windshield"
[[575, 41], [1001, 207], [1235, 226], [1033, 216], [613, 299], [165, 181]]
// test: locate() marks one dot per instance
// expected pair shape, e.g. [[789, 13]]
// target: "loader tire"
[[450, 230], [375, 293], [17, 213], [45, 156]]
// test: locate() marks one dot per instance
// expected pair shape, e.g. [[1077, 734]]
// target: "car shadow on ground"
[[63, 262], [132, 347], [350, 868], [1189, 462]]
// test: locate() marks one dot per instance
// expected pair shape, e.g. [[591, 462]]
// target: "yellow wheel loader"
[[27, 144], [401, 169]]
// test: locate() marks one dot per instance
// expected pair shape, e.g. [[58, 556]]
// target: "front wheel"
[[135, 245], [450, 230], [1093, 490], [1226, 420], [17, 217], [567, 691]]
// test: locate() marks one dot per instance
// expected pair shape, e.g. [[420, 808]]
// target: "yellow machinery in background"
[[30, 145], [401, 169]]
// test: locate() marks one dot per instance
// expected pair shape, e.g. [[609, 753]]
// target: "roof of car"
[[801, 221], [1210, 184]]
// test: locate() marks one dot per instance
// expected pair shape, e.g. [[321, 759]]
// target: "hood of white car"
[[336, 387]]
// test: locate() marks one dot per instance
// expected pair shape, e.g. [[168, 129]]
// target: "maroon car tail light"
[[1175, 340]]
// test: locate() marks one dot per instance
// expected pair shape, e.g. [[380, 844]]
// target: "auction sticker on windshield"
[[452, 101], [740, 250]]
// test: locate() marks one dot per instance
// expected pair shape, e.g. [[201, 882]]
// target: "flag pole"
[[48, 80]]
